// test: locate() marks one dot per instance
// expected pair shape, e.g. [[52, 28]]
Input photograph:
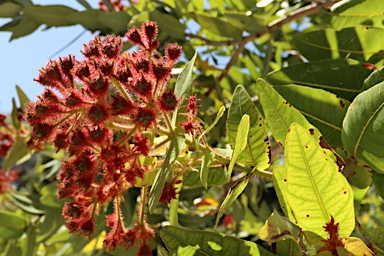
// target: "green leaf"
[[218, 116], [116, 21], [251, 23], [176, 145], [374, 78], [89, 19], [23, 98], [232, 195], [356, 12], [378, 180], [288, 247], [53, 15], [360, 43], [168, 24], [218, 26], [174, 205], [15, 115], [161, 251], [217, 176], [240, 142], [377, 237], [314, 188], [363, 127], [52, 222], [184, 80], [49, 196], [275, 229], [9, 10], [278, 175], [18, 150], [204, 171], [24, 27], [343, 77], [360, 179], [323, 109], [279, 113], [30, 246], [188, 242], [257, 149], [12, 225]]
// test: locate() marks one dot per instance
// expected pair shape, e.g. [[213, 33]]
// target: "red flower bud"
[[173, 51]]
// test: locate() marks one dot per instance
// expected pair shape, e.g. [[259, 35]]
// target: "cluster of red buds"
[[105, 112], [7, 137]]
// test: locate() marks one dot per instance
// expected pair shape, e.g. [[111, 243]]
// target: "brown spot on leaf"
[[306, 146], [342, 104], [285, 180], [266, 139], [307, 215], [312, 131], [345, 192]]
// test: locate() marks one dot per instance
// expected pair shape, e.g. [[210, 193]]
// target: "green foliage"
[[302, 138]]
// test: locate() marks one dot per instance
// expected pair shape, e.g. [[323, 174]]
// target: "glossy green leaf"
[[356, 12], [216, 25], [374, 78], [53, 15], [314, 188], [279, 114], [275, 229], [257, 149], [12, 225], [188, 242], [240, 141], [232, 195], [363, 127], [204, 171], [173, 151], [343, 77], [9, 10], [18, 150], [360, 43], [217, 176], [168, 24], [326, 115]]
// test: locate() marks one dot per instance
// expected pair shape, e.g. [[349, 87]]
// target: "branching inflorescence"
[[105, 112]]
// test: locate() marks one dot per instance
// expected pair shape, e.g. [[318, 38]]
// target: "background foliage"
[[320, 68]]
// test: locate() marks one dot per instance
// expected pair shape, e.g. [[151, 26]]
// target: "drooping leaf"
[[188, 242], [240, 142], [232, 195], [257, 149], [363, 127], [176, 145], [314, 188], [323, 109], [356, 246], [343, 77], [359, 43], [356, 12]]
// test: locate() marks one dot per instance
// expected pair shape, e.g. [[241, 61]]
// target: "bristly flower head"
[[105, 112]]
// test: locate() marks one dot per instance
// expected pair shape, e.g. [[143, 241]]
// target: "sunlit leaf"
[[184, 80], [363, 127], [217, 176], [323, 109], [356, 246], [314, 188], [257, 149], [356, 12], [374, 78], [204, 171], [187, 242], [360, 43], [275, 229]]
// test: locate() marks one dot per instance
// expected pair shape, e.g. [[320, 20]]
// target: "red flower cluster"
[[6, 179], [103, 111]]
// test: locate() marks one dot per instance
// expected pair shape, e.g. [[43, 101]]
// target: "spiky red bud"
[[42, 130], [161, 71], [145, 117], [121, 106], [98, 114], [173, 51], [168, 101], [134, 36]]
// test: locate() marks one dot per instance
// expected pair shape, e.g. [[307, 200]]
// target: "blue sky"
[[21, 59]]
